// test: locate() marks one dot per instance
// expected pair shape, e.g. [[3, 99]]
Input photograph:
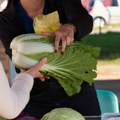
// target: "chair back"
[[108, 101]]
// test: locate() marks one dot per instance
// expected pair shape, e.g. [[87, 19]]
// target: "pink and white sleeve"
[[14, 99]]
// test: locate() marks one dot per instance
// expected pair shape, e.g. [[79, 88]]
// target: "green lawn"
[[110, 46]]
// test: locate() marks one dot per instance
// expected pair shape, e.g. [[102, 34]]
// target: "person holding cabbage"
[[74, 23], [14, 98]]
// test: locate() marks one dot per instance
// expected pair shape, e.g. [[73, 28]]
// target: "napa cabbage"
[[78, 64]]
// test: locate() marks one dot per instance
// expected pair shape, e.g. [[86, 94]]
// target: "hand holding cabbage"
[[78, 64], [49, 25]]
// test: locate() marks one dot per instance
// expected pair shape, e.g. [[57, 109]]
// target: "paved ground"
[[108, 72]]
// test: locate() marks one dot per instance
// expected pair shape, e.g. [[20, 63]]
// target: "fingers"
[[64, 41], [35, 71], [38, 67], [65, 38], [41, 63], [59, 37], [41, 76], [22, 70], [65, 34], [69, 39], [57, 41], [47, 34]]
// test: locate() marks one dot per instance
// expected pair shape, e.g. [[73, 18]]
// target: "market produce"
[[63, 114], [78, 64]]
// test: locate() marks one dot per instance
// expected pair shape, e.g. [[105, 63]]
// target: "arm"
[[76, 23], [76, 14], [14, 99]]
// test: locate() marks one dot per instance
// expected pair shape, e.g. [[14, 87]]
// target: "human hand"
[[35, 71], [64, 34]]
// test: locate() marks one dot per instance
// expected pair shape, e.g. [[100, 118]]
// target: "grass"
[[2, 118], [110, 46]]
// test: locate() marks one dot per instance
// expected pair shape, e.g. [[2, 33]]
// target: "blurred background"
[[105, 34]]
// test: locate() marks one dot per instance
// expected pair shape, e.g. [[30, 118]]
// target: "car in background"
[[99, 13], [114, 10], [103, 11]]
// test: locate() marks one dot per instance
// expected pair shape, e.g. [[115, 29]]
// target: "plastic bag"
[[46, 23]]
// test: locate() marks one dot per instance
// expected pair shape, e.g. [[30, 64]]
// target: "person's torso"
[[14, 25]]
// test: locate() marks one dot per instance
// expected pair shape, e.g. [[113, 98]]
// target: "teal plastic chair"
[[108, 101]]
